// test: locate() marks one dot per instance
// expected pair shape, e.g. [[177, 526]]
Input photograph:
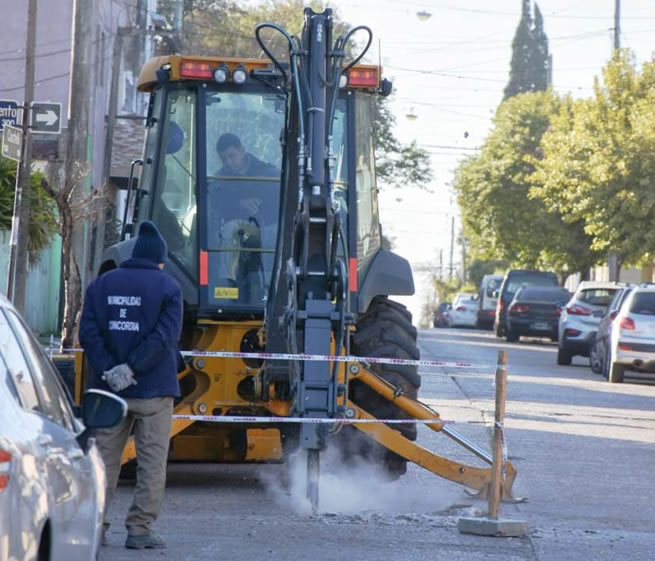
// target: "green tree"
[[43, 221], [500, 217], [598, 166], [530, 65], [481, 267]]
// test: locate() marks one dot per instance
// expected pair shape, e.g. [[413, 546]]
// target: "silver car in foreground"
[[52, 480], [632, 339]]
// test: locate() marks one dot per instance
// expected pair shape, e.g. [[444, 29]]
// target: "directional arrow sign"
[[46, 117], [12, 141], [9, 112]]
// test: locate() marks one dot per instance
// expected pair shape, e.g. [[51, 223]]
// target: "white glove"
[[119, 377]]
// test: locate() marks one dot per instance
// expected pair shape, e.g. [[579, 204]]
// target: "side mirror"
[[100, 410]]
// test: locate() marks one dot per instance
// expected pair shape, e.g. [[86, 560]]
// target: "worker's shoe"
[[146, 541]]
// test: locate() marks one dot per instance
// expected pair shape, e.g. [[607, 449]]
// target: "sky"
[[449, 71]]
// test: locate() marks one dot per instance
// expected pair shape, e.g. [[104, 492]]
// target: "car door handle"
[[45, 440], [76, 454]]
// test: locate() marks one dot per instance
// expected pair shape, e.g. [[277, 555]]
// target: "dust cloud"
[[361, 489]]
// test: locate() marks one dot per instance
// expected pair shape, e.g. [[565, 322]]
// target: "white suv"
[[632, 341], [579, 320]]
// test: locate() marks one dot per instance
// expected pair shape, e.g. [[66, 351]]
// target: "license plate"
[[540, 326]]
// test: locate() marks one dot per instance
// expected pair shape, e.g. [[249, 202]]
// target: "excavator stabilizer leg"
[[469, 476]]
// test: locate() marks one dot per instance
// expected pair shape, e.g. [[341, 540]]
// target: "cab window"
[[368, 232], [174, 205]]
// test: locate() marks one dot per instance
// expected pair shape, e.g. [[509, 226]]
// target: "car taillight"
[[460, 309], [578, 311], [627, 323], [519, 309], [5, 458], [558, 310]]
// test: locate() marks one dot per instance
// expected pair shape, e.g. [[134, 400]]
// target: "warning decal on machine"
[[226, 292]]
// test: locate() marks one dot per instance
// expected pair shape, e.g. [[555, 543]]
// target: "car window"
[[492, 286], [545, 294], [516, 281], [13, 357], [54, 403], [597, 296], [643, 303]]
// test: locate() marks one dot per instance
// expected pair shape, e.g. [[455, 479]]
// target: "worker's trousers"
[[150, 419]]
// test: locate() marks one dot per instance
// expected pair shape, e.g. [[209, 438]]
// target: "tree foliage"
[[598, 166], [530, 65], [43, 221], [500, 217]]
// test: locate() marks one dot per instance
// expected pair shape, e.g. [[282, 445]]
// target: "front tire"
[[512, 336], [616, 372], [595, 359], [564, 357], [385, 330]]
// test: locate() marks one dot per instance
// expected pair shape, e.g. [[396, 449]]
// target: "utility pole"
[[452, 247], [612, 256], [77, 140], [179, 16], [440, 263], [18, 252], [617, 25]]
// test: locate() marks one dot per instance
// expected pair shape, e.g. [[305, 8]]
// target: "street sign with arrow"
[[45, 117]]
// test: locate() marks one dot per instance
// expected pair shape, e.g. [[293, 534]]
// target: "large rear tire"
[[385, 330]]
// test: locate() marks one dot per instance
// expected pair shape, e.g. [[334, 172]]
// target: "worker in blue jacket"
[[130, 328]]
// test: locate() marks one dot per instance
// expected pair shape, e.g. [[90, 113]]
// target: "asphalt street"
[[583, 450]]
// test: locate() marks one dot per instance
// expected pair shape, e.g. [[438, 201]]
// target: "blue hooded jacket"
[[133, 315]]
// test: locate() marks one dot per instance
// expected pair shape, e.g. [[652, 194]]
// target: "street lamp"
[[411, 116], [423, 15]]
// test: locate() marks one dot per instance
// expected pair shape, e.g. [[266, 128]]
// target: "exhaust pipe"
[[638, 363]]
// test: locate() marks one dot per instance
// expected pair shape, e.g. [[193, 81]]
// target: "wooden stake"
[[498, 460]]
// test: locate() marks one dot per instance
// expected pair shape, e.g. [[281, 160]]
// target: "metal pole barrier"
[[498, 459]]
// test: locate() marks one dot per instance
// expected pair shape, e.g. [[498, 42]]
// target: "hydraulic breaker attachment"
[[469, 476]]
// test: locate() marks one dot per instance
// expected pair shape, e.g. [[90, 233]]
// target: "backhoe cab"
[[260, 174]]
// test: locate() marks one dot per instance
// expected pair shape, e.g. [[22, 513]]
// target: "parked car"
[[487, 300], [440, 317], [52, 479], [632, 338], [463, 310], [515, 279], [580, 318], [599, 347], [535, 311]]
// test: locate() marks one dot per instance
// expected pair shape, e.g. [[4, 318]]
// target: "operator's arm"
[[162, 338], [91, 339]]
